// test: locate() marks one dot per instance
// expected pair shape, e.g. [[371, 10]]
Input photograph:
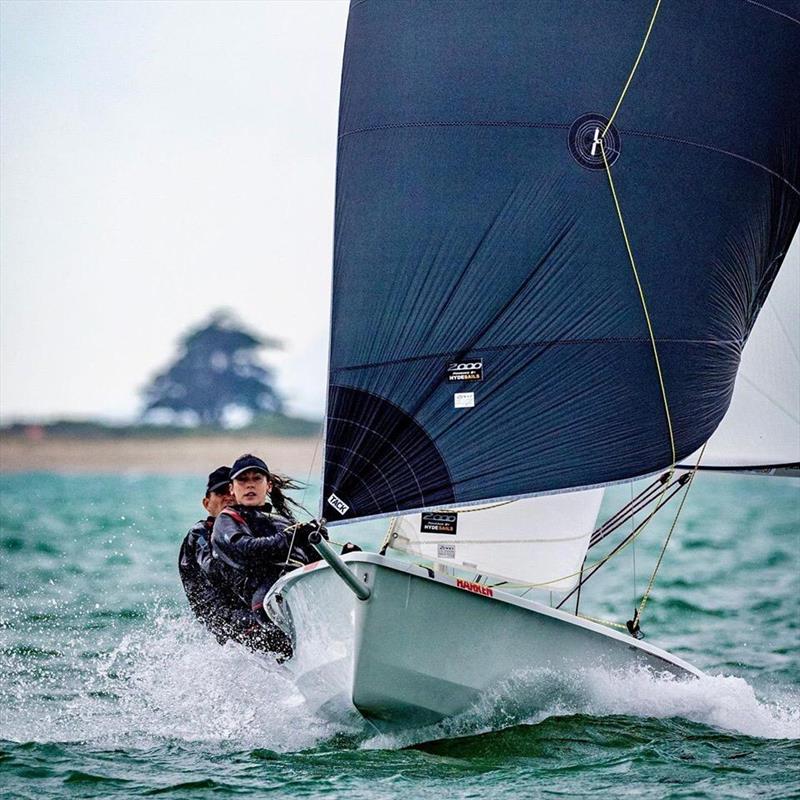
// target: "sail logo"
[[338, 504], [438, 522], [475, 588], [465, 370]]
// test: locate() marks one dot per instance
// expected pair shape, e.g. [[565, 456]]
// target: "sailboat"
[[559, 231]]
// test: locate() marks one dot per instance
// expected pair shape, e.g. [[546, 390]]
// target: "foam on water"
[[168, 680], [726, 703]]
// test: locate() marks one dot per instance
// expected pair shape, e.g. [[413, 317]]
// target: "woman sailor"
[[254, 541]]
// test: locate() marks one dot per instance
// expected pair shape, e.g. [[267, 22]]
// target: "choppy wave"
[[724, 703], [109, 688], [169, 680]]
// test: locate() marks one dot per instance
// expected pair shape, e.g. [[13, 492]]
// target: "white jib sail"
[[539, 540], [762, 426]]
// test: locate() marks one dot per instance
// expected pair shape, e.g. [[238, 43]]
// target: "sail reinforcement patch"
[[585, 145]]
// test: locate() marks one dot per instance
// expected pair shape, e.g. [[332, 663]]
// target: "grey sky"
[[160, 160]]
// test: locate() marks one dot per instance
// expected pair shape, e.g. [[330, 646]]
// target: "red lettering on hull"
[[476, 588]]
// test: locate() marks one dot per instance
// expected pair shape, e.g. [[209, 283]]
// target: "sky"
[[160, 160]]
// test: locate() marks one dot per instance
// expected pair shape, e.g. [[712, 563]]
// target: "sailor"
[[256, 540], [218, 608]]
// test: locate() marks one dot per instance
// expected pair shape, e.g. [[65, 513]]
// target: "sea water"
[[108, 688]]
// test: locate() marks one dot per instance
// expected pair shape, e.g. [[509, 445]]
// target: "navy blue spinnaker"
[[487, 336]]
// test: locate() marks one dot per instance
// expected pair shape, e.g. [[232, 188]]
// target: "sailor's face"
[[251, 488], [216, 501]]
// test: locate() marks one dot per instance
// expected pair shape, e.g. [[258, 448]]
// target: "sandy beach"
[[174, 455]]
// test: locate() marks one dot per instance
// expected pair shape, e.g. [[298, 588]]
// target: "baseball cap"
[[220, 477], [247, 462]]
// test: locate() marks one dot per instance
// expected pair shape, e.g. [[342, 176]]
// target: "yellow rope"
[[646, 316], [480, 508], [604, 622], [655, 358], [644, 305], [633, 70], [650, 331], [646, 594]]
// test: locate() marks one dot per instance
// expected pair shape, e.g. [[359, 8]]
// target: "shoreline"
[[184, 454]]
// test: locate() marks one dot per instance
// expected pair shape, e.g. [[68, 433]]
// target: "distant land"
[[288, 444]]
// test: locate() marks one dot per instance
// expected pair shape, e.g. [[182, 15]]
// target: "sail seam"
[[721, 150], [357, 476], [538, 343], [373, 464], [773, 10], [756, 388], [563, 126], [470, 123], [385, 439], [785, 332]]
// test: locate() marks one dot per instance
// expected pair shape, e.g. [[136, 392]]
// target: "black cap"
[[220, 477], [247, 462]]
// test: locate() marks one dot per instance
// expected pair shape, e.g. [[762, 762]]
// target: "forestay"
[[540, 541], [488, 339]]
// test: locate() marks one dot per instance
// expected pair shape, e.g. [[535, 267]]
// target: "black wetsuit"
[[216, 606], [250, 548]]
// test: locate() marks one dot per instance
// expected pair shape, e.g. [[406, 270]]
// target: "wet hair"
[[280, 484], [280, 502]]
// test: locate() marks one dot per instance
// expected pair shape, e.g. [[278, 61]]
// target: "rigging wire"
[[311, 467], [624, 510], [637, 616], [644, 499], [623, 544], [633, 550]]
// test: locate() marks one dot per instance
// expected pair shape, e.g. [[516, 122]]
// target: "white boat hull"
[[424, 647]]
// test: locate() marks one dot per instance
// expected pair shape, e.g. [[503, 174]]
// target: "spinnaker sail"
[[488, 337]]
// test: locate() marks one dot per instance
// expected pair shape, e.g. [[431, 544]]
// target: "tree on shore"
[[217, 372]]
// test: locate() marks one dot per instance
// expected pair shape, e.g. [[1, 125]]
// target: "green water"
[[109, 689]]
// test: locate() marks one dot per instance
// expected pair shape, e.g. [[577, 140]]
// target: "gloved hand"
[[305, 530]]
